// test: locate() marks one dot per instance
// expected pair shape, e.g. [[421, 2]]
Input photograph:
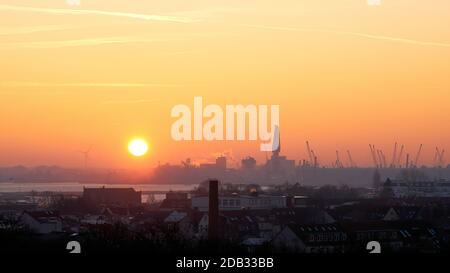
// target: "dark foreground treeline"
[[113, 238], [117, 238]]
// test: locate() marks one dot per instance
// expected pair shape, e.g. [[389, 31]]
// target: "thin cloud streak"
[[137, 16], [86, 84], [358, 34]]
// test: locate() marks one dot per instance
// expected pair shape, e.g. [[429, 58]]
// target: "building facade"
[[111, 196], [402, 188], [239, 202]]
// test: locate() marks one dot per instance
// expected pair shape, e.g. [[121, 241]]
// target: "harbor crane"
[[352, 163], [416, 161], [399, 158], [310, 153], [394, 156], [372, 151], [338, 161]]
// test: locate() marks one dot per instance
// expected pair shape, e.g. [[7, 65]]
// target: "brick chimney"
[[213, 210]]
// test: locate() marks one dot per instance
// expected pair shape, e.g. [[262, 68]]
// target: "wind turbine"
[[86, 155]]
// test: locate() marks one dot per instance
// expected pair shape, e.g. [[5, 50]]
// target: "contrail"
[[150, 17], [358, 34], [79, 42]]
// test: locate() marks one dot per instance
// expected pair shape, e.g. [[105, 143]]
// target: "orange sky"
[[344, 73]]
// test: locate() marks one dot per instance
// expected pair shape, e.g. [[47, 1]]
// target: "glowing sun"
[[138, 147]]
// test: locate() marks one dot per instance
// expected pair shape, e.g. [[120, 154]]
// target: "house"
[[202, 230], [42, 222], [180, 223], [421, 188], [358, 212], [403, 213], [149, 223], [115, 214], [239, 225], [96, 197], [154, 217], [420, 236], [320, 238], [393, 235], [384, 232], [264, 224], [304, 216], [376, 212], [234, 225], [176, 200], [298, 201], [239, 202]]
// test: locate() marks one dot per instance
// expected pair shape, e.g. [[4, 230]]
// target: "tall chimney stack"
[[213, 210]]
